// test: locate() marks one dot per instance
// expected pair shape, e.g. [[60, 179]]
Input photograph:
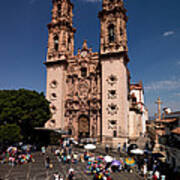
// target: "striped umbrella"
[[130, 161]]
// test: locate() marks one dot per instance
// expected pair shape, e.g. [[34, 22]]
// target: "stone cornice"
[[113, 11], [61, 23], [51, 63], [106, 57]]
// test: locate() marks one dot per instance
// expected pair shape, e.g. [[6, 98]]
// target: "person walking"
[[43, 150], [145, 171], [71, 174], [118, 147], [47, 161], [56, 176], [107, 148], [124, 147]]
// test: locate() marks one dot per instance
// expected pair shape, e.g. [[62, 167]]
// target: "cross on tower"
[[159, 102]]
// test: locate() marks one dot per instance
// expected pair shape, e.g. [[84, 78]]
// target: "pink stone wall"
[[116, 68]]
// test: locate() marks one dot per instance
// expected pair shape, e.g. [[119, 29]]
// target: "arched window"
[[114, 133], [69, 131], [83, 72], [121, 31], [59, 9], [69, 10], [69, 43], [111, 33], [56, 42]]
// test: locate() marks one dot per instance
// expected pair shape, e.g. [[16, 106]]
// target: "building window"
[[69, 131], [69, 43], [112, 109], [53, 109], [111, 33], [112, 79], [121, 31], [112, 124], [59, 9], [69, 10], [56, 42], [53, 96], [134, 100], [53, 84], [83, 72], [114, 133], [53, 121], [112, 94]]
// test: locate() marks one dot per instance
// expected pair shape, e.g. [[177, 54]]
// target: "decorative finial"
[[84, 46]]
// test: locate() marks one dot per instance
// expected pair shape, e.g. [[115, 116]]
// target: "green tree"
[[27, 109], [10, 133]]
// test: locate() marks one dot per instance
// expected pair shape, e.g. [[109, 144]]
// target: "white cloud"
[[174, 105], [177, 94], [163, 85], [178, 62], [168, 33]]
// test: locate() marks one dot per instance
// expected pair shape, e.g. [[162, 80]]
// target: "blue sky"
[[153, 34]]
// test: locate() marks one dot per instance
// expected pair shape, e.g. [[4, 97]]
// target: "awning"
[[59, 131]]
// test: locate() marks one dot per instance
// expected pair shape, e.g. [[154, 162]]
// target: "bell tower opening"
[[111, 33], [56, 42]]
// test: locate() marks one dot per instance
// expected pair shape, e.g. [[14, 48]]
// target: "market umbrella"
[[108, 159], [75, 142], [26, 147], [116, 163], [130, 161], [10, 149], [137, 151], [90, 147]]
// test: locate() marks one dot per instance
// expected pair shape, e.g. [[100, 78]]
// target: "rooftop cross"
[[159, 102]]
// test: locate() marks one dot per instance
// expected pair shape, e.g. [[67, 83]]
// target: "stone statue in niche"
[[83, 90], [70, 83]]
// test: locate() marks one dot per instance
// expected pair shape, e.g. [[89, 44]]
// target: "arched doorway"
[[83, 127]]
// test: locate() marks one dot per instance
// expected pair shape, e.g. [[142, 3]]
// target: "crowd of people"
[[15, 155], [95, 164], [145, 165], [98, 166]]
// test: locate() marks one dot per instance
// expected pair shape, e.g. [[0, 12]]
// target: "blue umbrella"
[[116, 163]]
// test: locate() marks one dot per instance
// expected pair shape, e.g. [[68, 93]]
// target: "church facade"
[[90, 93]]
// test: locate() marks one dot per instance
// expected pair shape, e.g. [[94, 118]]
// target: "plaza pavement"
[[37, 170]]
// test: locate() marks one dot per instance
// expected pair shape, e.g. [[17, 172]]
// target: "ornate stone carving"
[[83, 89], [112, 109]]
